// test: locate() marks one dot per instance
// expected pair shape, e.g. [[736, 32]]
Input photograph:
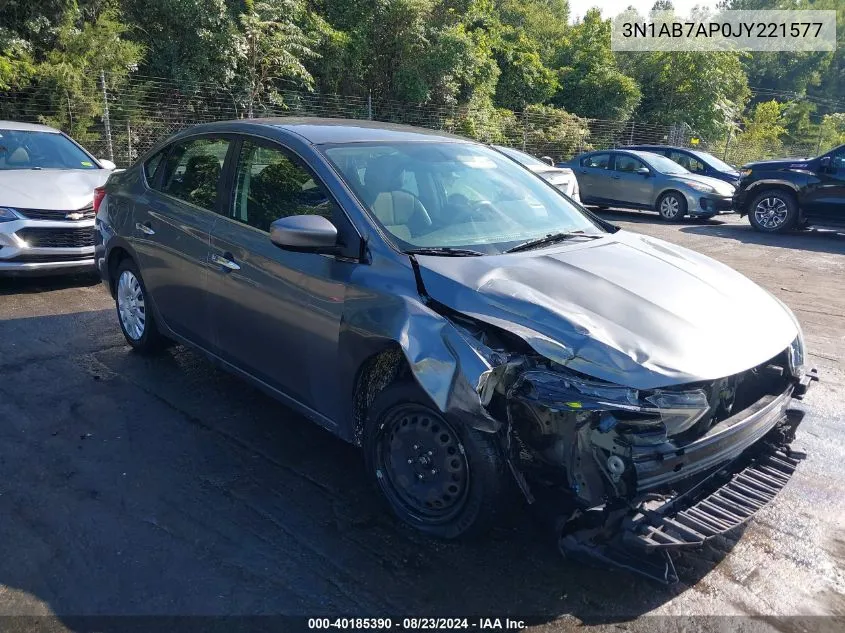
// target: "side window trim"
[[153, 183]]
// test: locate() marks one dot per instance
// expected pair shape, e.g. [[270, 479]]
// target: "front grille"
[[57, 238], [49, 214]]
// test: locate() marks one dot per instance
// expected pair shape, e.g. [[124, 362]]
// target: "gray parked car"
[[641, 180], [426, 298], [47, 186]]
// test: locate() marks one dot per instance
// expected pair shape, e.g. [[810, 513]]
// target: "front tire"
[[773, 211], [134, 312], [672, 206], [441, 478]]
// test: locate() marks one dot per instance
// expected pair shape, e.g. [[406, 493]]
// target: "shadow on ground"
[[815, 240], [16, 285], [161, 485]]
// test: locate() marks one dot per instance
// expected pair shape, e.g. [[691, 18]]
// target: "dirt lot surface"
[[138, 486]]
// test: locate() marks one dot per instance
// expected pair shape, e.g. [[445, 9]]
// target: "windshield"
[[714, 162], [665, 165], [455, 195], [25, 149], [521, 157]]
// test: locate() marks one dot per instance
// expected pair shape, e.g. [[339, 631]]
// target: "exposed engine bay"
[[636, 471]]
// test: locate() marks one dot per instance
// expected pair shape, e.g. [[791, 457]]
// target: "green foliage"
[[832, 131], [509, 71], [272, 49], [762, 134], [707, 91], [591, 83], [554, 132]]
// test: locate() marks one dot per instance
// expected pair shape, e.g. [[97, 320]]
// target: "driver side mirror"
[[305, 233], [549, 160], [824, 164], [643, 171], [105, 163]]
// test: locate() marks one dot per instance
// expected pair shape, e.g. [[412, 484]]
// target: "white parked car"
[[561, 177], [47, 183]]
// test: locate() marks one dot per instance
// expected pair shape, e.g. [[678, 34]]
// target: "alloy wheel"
[[771, 213], [131, 308]]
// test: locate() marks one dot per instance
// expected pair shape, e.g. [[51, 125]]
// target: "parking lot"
[[133, 485]]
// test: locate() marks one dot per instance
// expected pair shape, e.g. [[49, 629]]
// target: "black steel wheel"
[[442, 478], [424, 463]]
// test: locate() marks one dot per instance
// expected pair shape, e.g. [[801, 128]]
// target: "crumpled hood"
[[54, 189], [626, 308], [722, 187]]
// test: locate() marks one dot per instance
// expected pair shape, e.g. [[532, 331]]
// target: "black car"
[[697, 162], [779, 195]]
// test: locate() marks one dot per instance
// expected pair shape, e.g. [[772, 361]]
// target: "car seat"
[[400, 211]]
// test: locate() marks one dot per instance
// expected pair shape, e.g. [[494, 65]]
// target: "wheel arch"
[[116, 254], [763, 185], [665, 191], [376, 373]]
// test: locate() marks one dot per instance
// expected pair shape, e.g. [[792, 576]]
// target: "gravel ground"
[[137, 486]]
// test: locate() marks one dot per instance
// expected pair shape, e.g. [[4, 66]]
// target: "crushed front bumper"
[[724, 495]]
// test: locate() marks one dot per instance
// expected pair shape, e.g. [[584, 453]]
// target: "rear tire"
[[440, 477], [671, 206], [134, 311], [773, 211]]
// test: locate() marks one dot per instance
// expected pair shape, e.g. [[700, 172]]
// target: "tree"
[[545, 22], [762, 133], [707, 91], [68, 76], [187, 41], [524, 78], [591, 83], [272, 49]]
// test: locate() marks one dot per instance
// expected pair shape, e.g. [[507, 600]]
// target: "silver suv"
[[47, 186]]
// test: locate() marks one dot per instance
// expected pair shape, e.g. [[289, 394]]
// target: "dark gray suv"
[[440, 305]]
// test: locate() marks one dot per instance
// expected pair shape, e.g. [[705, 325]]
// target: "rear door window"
[[193, 170], [596, 161]]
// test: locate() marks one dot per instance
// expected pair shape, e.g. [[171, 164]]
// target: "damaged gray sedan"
[[446, 309]]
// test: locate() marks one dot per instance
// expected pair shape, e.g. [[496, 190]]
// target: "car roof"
[[620, 150], [27, 127], [318, 131]]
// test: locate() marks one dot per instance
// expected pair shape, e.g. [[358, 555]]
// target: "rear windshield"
[[25, 149]]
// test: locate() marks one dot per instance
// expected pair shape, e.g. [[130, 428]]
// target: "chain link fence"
[[124, 119]]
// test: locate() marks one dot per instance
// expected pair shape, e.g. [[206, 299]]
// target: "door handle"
[[583, 171], [615, 177], [224, 261], [144, 228]]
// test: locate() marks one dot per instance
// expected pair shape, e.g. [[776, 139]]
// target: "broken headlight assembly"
[[671, 410]]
